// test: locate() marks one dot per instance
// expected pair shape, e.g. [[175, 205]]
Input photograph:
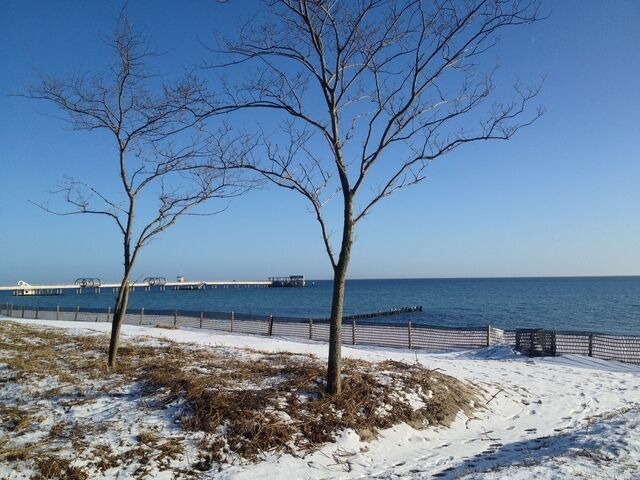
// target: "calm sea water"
[[601, 304]]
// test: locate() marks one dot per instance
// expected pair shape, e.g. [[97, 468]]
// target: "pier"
[[95, 285]]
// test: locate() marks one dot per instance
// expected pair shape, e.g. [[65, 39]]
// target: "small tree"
[[159, 151], [369, 92]]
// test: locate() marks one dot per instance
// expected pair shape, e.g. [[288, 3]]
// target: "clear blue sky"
[[562, 198]]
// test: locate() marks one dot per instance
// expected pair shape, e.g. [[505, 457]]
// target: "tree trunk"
[[334, 367], [118, 317], [122, 301]]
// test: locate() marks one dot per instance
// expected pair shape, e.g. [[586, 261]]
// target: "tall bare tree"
[[159, 149], [368, 92]]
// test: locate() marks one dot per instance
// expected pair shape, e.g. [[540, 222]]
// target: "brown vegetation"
[[230, 404]]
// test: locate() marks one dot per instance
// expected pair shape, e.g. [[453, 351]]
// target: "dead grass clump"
[[11, 454], [147, 437], [16, 419], [277, 402], [104, 457], [58, 430], [245, 403], [58, 468]]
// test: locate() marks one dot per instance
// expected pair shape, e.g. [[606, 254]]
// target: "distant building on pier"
[[290, 281]]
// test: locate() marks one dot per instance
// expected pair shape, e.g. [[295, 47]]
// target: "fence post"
[[488, 335], [37, 312], [311, 329], [591, 344], [409, 334], [77, 312], [201, 315], [58, 312], [270, 325], [11, 312], [231, 323], [175, 318], [353, 332], [23, 311], [108, 313], [141, 315]]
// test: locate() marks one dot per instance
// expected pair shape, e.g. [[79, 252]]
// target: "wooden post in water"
[[37, 312], [311, 329], [353, 332], [58, 312], [175, 318], [409, 335], [488, 335], [108, 313], [270, 325], [201, 315], [231, 323], [591, 344], [23, 311], [77, 312], [141, 315]]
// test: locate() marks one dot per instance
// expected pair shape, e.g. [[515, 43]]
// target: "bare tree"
[[159, 149], [368, 93]]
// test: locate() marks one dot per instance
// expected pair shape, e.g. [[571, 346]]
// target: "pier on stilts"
[[95, 285]]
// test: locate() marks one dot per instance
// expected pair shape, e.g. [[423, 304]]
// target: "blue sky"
[[561, 198]]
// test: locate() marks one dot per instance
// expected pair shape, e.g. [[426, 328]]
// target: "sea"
[[588, 304]]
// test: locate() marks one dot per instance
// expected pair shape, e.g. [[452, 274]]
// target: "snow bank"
[[540, 418]]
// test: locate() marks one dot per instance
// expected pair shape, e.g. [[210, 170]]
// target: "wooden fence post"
[[591, 344], [77, 312], [37, 312], [270, 325], [231, 323], [353, 332], [311, 329], [58, 312], [175, 318], [141, 315], [409, 334], [23, 311], [201, 315], [108, 314], [11, 314]]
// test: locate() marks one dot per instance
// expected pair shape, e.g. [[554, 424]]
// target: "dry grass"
[[237, 405]]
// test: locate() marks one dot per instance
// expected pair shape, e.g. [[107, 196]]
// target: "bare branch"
[[367, 85]]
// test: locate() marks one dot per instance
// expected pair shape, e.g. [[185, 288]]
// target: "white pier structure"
[[96, 286]]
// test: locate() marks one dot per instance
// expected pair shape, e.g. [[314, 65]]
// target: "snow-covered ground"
[[563, 417]]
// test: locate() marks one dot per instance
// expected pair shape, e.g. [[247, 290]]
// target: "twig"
[[496, 394]]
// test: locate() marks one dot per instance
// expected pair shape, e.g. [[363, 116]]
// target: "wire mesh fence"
[[365, 330]]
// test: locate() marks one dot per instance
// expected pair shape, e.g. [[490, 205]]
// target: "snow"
[[555, 417]]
